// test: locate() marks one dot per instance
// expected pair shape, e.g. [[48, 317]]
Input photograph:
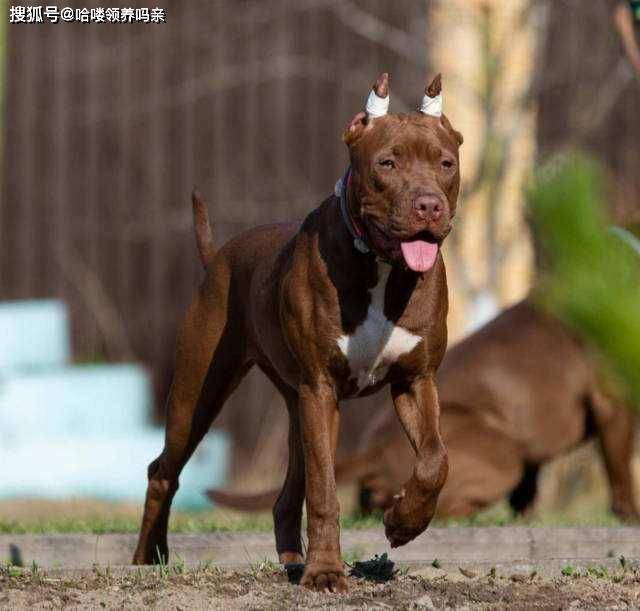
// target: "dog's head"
[[405, 176]]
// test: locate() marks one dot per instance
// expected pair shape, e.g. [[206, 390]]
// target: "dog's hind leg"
[[614, 426], [210, 363], [287, 510], [524, 494]]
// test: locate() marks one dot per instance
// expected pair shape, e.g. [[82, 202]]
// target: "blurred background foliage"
[[591, 271]]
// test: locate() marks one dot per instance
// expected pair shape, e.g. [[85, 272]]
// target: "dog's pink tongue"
[[419, 255]]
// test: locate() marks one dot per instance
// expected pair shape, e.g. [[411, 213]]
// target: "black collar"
[[357, 233]]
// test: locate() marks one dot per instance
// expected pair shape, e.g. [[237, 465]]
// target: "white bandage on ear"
[[376, 106], [432, 106]]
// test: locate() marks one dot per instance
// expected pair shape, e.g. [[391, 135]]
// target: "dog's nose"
[[428, 207]]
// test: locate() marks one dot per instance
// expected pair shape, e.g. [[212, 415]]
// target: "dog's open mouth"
[[419, 252]]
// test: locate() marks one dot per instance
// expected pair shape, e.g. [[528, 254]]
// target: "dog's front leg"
[[418, 410], [320, 419]]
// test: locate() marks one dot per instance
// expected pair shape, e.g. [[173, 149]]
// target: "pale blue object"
[[87, 401], [81, 431], [33, 334], [110, 469]]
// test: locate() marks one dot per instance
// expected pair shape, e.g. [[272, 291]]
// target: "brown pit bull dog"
[[353, 299], [515, 394]]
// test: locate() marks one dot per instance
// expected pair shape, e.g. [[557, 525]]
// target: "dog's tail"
[[244, 502], [204, 236], [347, 470]]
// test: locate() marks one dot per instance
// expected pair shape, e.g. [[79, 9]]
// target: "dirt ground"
[[265, 586]]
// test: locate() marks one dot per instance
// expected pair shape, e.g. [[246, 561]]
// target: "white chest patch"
[[377, 343]]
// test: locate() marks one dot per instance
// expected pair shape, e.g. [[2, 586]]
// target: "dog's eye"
[[387, 163], [447, 164]]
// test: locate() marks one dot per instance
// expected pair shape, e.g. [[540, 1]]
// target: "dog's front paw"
[[404, 521], [396, 531], [325, 574]]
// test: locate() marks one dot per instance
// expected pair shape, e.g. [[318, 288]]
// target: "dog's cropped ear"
[[355, 128], [377, 106], [432, 106], [432, 100]]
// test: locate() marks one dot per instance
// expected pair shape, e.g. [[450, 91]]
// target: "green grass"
[[184, 523], [501, 516], [187, 523], [207, 522]]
